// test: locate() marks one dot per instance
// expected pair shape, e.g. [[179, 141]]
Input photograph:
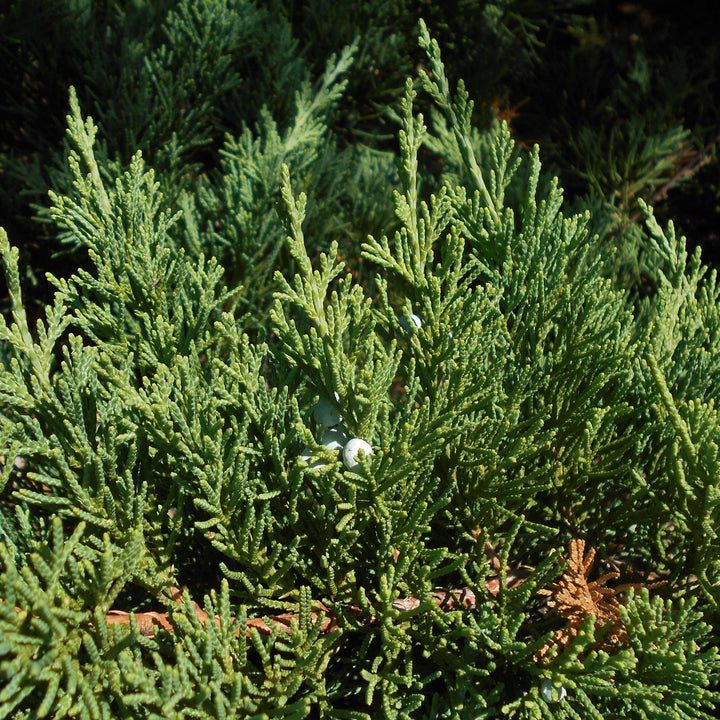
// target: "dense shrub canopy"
[[314, 426]]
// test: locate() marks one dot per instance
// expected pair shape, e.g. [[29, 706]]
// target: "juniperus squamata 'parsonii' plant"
[[483, 485]]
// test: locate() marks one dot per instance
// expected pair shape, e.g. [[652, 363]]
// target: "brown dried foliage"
[[575, 597]]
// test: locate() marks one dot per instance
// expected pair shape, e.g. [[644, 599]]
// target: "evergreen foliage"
[[174, 443], [633, 119]]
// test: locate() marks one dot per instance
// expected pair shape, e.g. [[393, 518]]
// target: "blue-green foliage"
[[513, 400]]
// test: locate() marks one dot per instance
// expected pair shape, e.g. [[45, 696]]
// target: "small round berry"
[[350, 452], [551, 694], [307, 456], [325, 413], [334, 439], [414, 319]]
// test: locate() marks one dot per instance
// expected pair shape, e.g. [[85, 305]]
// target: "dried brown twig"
[[445, 599], [697, 160], [149, 622]]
